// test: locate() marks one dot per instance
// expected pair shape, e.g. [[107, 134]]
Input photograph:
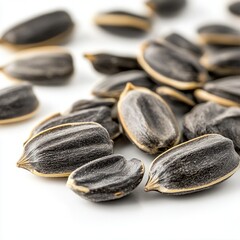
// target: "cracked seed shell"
[[224, 62], [49, 28], [113, 85], [41, 66], [211, 117], [58, 151], [123, 23], [184, 44], [107, 178], [193, 166], [224, 91], [168, 65], [17, 103], [101, 115], [111, 64], [166, 8], [147, 120], [219, 34]]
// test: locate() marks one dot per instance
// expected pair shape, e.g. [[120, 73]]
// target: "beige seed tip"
[[90, 57]]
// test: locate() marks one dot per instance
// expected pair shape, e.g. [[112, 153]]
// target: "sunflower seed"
[[58, 151], [41, 66], [166, 64], [112, 64], [219, 34], [225, 62], [225, 91], [184, 44], [147, 120], [17, 103], [50, 28], [213, 118], [193, 166], [113, 85], [101, 115], [91, 103], [123, 23], [234, 8], [166, 8], [107, 178]]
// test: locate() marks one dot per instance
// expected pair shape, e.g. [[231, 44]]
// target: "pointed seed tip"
[[89, 56]]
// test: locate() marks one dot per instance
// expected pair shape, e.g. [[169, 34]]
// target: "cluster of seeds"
[[177, 98]]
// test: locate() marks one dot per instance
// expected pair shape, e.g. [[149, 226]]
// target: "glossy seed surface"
[[101, 115], [17, 103], [166, 64], [219, 34], [234, 8], [224, 62], [123, 23], [41, 66], [58, 151], [112, 64], [113, 85], [211, 117], [166, 8], [184, 44], [193, 166], [91, 103], [225, 91], [107, 178], [147, 120], [47, 28]]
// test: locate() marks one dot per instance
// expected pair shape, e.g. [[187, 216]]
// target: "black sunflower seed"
[[234, 8], [193, 166], [107, 178]]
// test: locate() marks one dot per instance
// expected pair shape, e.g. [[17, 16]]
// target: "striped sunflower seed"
[[167, 64], [107, 178], [49, 28], [193, 166], [147, 120], [58, 151], [17, 103], [41, 66], [210, 117], [111, 64], [101, 115], [113, 85], [225, 91]]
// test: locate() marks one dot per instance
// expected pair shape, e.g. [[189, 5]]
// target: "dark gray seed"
[[225, 91], [184, 44], [40, 30], [166, 8], [58, 151], [112, 64], [42, 66], [147, 120], [179, 102], [219, 34], [234, 8], [166, 64], [123, 23], [113, 85], [101, 115], [17, 103], [107, 178], [224, 62], [193, 166], [213, 118], [92, 103]]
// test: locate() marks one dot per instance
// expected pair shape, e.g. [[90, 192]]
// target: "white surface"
[[32, 208]]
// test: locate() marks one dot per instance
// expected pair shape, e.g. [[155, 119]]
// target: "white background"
[[33, 208]]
